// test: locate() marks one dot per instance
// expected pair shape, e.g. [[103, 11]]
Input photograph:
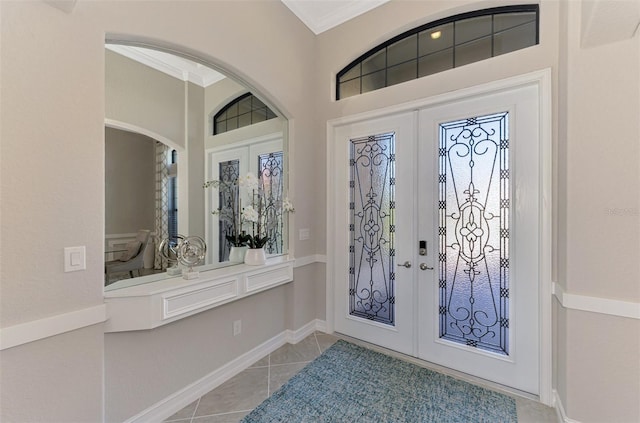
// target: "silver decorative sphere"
[[191, 251]]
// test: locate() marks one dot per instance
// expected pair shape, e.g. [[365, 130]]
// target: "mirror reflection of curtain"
[[163, 159], [270, 168]]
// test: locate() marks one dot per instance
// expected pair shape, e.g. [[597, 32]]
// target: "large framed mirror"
[[172, 123]]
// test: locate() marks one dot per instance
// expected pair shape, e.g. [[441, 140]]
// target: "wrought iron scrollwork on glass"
[[229, 172], [371, 227], [271, 171], [474, 232]]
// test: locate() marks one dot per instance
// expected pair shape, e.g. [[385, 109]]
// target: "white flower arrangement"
[[248, 187], [249, 214], [249, 182], [287, 205]]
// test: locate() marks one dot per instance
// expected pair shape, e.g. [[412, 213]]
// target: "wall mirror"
[[171, 124]]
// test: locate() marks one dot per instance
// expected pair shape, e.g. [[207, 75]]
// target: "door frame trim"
[[543, 81]]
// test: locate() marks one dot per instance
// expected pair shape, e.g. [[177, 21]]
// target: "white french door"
[[375, 293], [437, 234]]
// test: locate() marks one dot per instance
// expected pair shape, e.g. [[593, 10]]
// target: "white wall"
[[52, 183]]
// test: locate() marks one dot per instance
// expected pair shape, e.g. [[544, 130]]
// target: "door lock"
[[423, 266], [422, 248]]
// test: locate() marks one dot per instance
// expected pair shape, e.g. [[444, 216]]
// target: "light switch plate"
[[75, 258], [304, 234]]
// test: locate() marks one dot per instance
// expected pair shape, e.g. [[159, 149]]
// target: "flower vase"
[[236, 254], [255, 257]]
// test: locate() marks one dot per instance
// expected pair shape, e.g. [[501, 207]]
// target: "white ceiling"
[[322, 15]]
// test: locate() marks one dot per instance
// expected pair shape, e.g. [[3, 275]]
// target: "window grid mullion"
[[454, 21]]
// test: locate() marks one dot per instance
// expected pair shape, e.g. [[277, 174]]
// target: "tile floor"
[[234, 399]]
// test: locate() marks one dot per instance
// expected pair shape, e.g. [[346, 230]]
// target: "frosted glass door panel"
[[372, 227], [474, 232]]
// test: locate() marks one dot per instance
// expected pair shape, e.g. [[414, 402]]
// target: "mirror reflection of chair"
[[131, 259]]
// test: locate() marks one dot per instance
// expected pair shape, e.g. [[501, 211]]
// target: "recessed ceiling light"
[[435, 35]]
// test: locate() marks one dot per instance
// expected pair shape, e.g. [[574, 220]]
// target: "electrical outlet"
[[237, 327]]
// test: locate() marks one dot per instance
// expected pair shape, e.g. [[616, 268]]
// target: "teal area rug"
[[348, 383]]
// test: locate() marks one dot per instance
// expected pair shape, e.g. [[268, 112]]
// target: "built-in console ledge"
[[150, 305]]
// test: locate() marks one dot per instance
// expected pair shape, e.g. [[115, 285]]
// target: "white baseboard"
[[177, 401], [295, 336], [562, 416], [321, 325]]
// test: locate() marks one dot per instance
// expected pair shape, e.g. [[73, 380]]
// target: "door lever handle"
[[423, 266], [406, 264]]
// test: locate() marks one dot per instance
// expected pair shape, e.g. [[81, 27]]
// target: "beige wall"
[[598, 221], [130, 169], [138, 95], [47, 206], [195, 161], [58, 379], [596, 107]]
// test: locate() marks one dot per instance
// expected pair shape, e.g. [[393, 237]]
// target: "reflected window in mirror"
[[245, 110], [172, 196], [271, 169], [227, 194]]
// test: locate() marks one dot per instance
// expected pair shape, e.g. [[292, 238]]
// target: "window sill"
[[151, 305]]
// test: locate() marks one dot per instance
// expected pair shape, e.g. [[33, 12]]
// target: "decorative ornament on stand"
[[191, 251], [168, 250]]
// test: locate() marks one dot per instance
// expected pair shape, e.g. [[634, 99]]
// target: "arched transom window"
[[441, 45], [243, 111]]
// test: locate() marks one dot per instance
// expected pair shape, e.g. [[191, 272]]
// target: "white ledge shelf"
[[150, 305]]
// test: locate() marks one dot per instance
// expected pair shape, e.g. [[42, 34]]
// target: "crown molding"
[[177, 67]]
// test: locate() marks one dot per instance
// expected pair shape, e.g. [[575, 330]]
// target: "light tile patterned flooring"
[[234, 399]]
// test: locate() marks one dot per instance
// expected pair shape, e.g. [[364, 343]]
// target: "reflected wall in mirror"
[[170, 125]]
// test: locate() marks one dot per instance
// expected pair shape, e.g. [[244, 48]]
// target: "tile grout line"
[[288, 364], [225, 414], [317, 343], [194, 411], [269, 377]]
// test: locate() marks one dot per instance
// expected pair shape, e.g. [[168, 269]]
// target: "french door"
[[436, 244]]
